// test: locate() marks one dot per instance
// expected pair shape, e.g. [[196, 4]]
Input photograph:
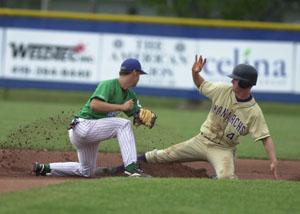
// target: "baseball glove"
[[144, 117]]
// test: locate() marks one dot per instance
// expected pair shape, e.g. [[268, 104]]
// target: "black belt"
[[208, 138], [74, 123]]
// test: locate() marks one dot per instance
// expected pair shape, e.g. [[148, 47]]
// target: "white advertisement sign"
[[273, 61], [167, 61], [51, 55], [65, 56]]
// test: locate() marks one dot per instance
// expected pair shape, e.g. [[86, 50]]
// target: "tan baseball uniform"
[[227, 120]]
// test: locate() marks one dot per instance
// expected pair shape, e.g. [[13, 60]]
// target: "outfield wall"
[[76, 51]]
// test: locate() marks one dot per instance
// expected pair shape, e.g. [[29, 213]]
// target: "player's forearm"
[[270, 149], [198, 79], [100, 106]]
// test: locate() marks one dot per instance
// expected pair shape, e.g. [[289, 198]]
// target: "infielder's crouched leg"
[[71, 169], [126, 141], [85, 168], [87, 155]]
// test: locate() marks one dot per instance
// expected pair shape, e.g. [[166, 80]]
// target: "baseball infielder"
[[234, 113], [97, 122]]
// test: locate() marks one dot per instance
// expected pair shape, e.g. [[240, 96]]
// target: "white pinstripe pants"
[[86, 137]]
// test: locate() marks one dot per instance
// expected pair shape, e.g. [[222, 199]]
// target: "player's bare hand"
[[273, 168], [198, 64], [128, 105]]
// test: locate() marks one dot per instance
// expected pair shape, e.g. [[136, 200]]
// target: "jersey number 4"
[[230, 136]]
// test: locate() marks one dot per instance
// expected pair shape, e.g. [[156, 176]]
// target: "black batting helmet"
[[247, 75]]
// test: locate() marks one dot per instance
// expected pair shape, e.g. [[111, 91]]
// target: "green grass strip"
[[172, 195]]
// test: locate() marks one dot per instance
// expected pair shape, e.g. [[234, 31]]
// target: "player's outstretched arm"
[[270, 149], [196, 69]]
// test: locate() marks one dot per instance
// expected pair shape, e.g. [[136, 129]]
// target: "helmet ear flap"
[[244, 84]]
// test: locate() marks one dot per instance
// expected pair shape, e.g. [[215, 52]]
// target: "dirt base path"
[[15, 165]]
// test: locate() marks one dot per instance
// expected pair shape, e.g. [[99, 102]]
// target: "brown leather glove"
[[144, 117]]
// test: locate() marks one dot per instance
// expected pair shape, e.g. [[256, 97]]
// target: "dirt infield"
[[15, 165]]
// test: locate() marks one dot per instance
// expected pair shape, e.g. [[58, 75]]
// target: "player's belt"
[[74, 123], [207, 137]]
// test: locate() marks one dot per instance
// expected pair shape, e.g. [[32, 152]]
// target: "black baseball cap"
[[132, 64]]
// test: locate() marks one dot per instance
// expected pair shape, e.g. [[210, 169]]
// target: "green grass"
[[121, 195]]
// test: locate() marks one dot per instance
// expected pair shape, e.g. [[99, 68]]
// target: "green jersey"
[[109, 91]]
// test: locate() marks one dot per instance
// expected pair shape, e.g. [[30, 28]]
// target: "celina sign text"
[[273, 61], [223, 65]]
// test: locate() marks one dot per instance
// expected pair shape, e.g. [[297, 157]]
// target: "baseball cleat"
[[38, 168], [138, 173], [214, 177], [105, 170]]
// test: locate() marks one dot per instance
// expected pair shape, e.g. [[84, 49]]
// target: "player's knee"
[[226, 175], [87, 171], [127, 122], [87, 174]]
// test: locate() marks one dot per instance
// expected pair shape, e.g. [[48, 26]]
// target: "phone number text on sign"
[[48, 72]]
